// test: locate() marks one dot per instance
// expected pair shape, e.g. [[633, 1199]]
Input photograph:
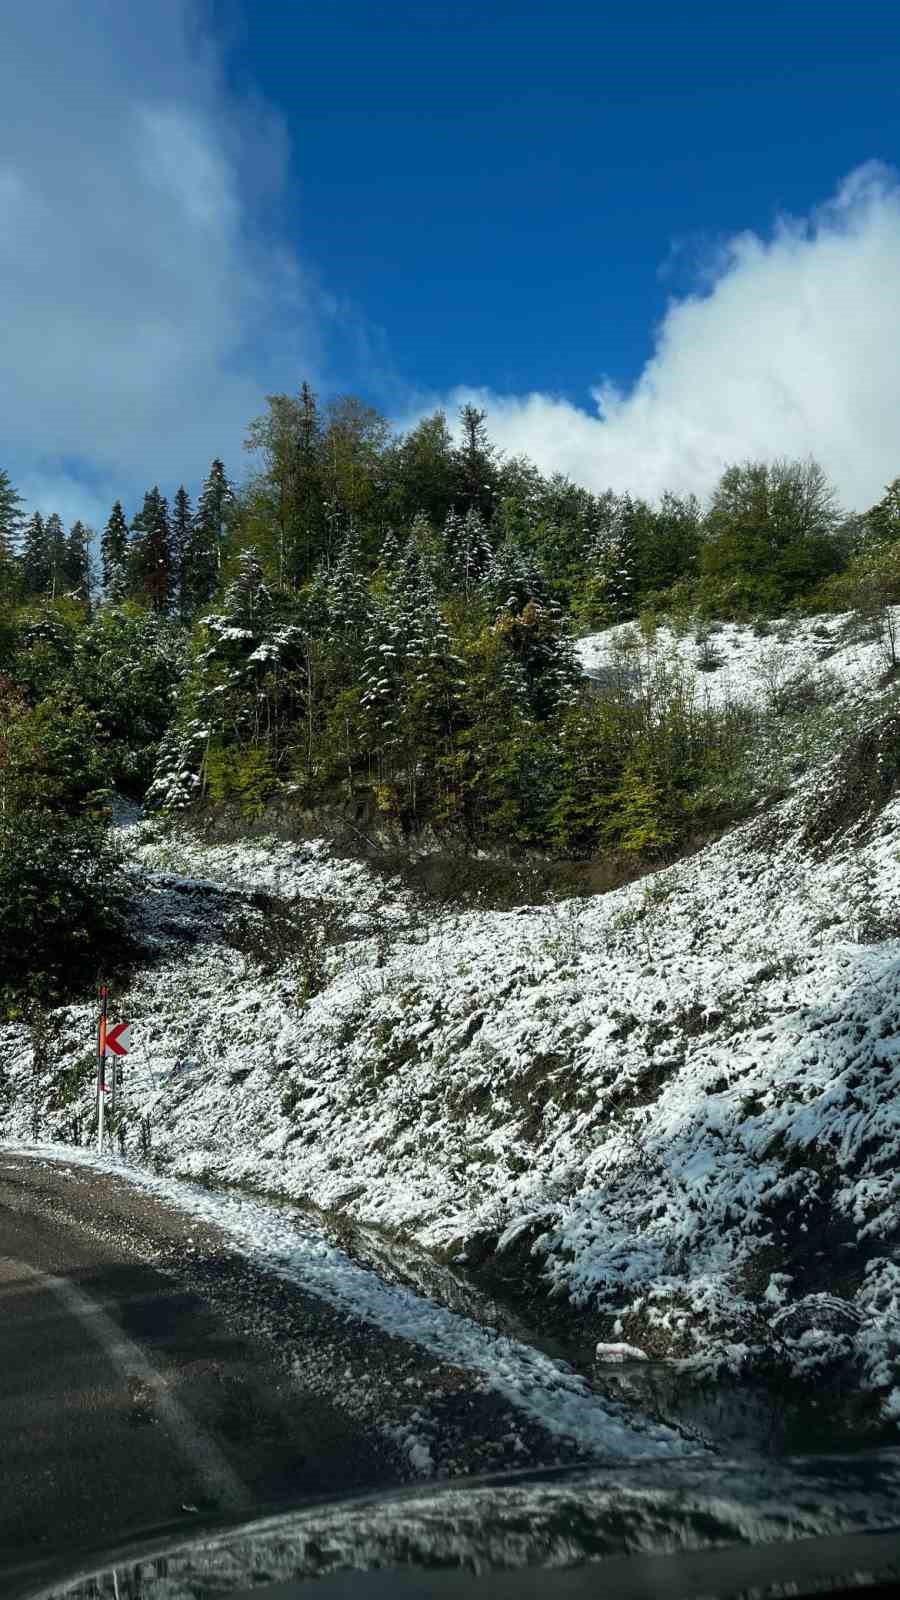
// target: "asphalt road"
[[126, 1402], [153, 1378]]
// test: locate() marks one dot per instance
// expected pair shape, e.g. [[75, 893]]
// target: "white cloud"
[[150, 299], [143, 318], [792, 348]]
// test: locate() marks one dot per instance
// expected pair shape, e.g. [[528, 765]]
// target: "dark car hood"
[[680, 1526]]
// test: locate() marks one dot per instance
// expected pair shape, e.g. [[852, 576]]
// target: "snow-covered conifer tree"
[[114, 555], [469, 550], [10, 522]]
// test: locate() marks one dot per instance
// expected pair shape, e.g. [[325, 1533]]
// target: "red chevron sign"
[[115, 1040]]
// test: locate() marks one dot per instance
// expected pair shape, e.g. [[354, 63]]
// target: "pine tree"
[[114, 555], [468, 550], [55, 535], [476, 461], [76, 570], [36, 563], [10, 518], [152, 552], [182, 531], [202, 550]]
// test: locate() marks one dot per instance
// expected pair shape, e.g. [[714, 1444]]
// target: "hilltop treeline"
[[390, 619]]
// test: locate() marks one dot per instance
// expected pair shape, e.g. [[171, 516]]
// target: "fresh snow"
[[750, 667], [290, 1245], [683, 1097]]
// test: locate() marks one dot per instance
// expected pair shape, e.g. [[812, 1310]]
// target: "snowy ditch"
[[668, 1116]]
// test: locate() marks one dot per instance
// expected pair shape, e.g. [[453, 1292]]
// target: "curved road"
[[152, 1378], [127, 1400]]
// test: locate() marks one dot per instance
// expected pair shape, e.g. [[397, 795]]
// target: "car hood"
[[680, 1526]]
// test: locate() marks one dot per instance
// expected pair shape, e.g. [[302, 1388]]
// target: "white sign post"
[[115, 1042]]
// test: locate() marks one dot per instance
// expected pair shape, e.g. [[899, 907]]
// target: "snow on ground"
[[678, 1102], [736, 663]]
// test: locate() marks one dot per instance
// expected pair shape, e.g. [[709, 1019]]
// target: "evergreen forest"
[[381, 626]]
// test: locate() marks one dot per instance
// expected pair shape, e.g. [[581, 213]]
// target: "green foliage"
[[385, 620], [127, 664], [771, 535], [63, 907], [244, 776], [51, 758], [122, 667]]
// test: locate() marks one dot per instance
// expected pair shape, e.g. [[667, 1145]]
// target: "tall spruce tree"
[[182, 528], [10, 517], [114, 555], [468, 549], [476, 462], [36, 563], [152, 552], [203, 548], [77, 561], [55, 535]]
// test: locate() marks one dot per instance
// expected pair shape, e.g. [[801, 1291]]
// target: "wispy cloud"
[[791, 346], [151, 296], [146, 312]]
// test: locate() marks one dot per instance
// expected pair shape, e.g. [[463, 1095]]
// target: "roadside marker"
[[118, 1039], [114, 1041]]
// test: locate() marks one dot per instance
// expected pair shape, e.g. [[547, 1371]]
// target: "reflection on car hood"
[[552, 1520]]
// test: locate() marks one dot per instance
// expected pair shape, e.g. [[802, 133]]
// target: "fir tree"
[[247, 597], [10, 518], [511, 578], [55, 535], [114, 555], [390, 559], [468, 550], [476, 461], [412, 680], [610, 583], [203, 547], [152, 552], [77, 561], [346, 593], [36, 563], [182, 532]]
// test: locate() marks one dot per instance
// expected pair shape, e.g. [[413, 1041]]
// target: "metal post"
[[101, 1065]]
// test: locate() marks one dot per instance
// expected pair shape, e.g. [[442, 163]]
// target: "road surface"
[[151, 1377]]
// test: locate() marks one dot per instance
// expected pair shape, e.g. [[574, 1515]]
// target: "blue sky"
[[649, 239], [502, 186]]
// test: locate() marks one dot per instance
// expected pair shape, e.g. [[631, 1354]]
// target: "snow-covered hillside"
[[678, 1102], [759, 666]]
